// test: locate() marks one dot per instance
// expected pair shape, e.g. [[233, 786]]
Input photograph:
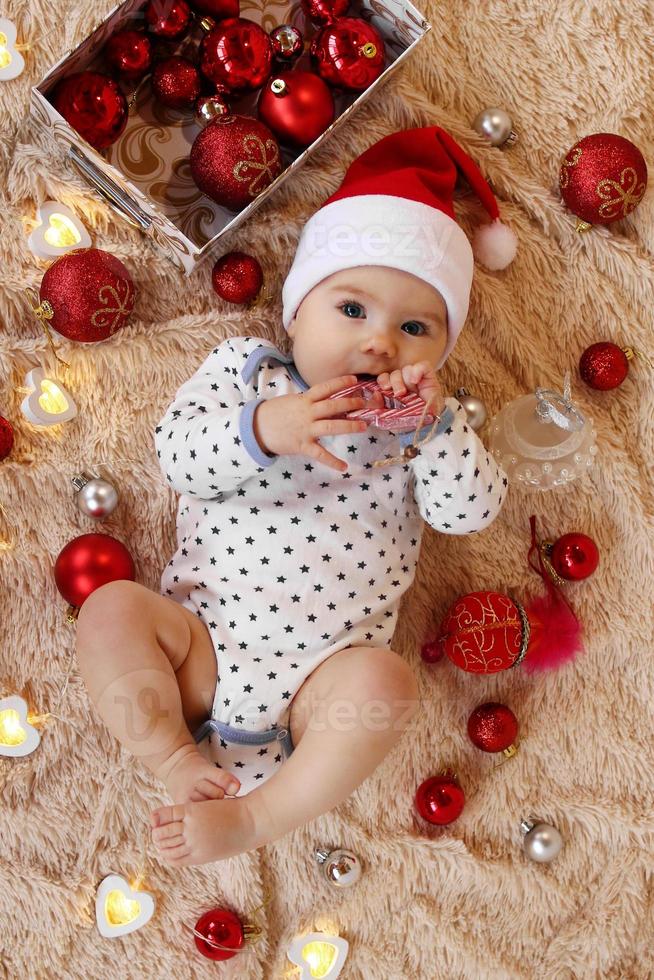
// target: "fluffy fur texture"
[[454, 903]]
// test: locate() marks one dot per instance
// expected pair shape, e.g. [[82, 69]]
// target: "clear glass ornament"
[[542, 440]]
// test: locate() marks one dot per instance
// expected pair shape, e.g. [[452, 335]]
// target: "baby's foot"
[[190, 777], [197, 833]]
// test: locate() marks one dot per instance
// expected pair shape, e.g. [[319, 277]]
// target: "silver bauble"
[[475, 408], [495, 124], [341, 868], [542, 842], [287, 43], [96, 497], [210, 107]]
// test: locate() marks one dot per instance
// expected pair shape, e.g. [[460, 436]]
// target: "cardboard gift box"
[[145, 175]]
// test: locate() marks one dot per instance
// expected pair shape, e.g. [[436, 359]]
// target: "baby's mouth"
[[366, 377]]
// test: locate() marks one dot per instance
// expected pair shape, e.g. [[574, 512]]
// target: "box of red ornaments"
[[187, 114]]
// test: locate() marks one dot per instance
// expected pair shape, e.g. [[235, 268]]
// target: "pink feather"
[[556, 633]]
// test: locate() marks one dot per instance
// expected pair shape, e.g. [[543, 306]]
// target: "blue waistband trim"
[[243, 737]]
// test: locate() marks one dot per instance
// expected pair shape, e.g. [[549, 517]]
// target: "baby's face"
[[367, 320]]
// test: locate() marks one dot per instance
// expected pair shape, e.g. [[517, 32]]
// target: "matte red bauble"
[[236, 55], [168, 18], [6, 437], [603, 178], [221, 928], [89, 561], [87, 295], [93, 105], [432, 651], [237, 277], [492, 727], [574, 556], [129, 53], [349, 54], [176, 83], [325, 11], [604, 365], [233, 159], [298, 106], [218, 9], [440, 799]]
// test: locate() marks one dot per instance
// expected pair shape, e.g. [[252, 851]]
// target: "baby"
[[260, 685]]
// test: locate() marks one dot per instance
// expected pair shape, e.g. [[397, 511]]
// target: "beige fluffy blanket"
[[438, 904]]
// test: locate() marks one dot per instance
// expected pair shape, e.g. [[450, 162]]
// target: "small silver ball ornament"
[[341, 868], [496, 125], [287, 43], [474, 407], [210, 107], [96, 497], [541, 842]]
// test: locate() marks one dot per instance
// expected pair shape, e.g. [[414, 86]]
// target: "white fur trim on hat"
[[384, 230]]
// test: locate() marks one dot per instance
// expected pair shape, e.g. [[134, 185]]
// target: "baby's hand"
[[292, 424], [420, 377]]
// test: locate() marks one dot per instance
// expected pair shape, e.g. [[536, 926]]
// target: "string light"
[[48, 403], [58, 231], [120, 909], [319, 955], [12, 62]]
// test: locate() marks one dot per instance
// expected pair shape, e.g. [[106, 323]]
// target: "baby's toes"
[[171, 831], [206, 789], [226, 780], [167, 815], [176, 856]]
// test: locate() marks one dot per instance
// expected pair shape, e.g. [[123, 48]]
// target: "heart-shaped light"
[[120, 909], [318, 955], [59, 231], [11, 60], [50, 403], [17, 736]]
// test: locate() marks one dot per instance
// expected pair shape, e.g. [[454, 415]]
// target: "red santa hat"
[[394, 208]]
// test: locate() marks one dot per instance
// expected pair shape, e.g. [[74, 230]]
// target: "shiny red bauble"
[[176, 83], [237, 277], [221, 928], [168, 18], [492, 727], [6, 437], [325, 11], [129, 53], [89, 561], [90, 292], [604, 366], [603, 178], [349, 54], [484, 632], [218, 9], [236, 55], [440, 799], [431, 651], [574, 556], [93, 105], [233, 159], [297, 106]]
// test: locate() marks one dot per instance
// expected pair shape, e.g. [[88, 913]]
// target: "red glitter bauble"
[[176, 83], [325, 11], [349, 54], [236, 55], [492, 727], [218, 9], [603, 178], [604, 366], [484, 632], [129, 53], [168, 18], [574, 556], [233, 159], [237, 277], [90, 293], [297, 106], [440, 799], [431, 651], [6, 437], [93, 105], [89, 561], [222, 928]]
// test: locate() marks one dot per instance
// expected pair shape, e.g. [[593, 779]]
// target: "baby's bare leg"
[[150, 668], [344, 720]]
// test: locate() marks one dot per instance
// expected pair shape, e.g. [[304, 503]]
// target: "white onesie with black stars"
[[287, 561]]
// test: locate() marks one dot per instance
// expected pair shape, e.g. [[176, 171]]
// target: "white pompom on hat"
[[394, 208]]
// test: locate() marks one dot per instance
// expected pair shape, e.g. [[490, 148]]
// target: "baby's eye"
[[413, 328], [352, 309]]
